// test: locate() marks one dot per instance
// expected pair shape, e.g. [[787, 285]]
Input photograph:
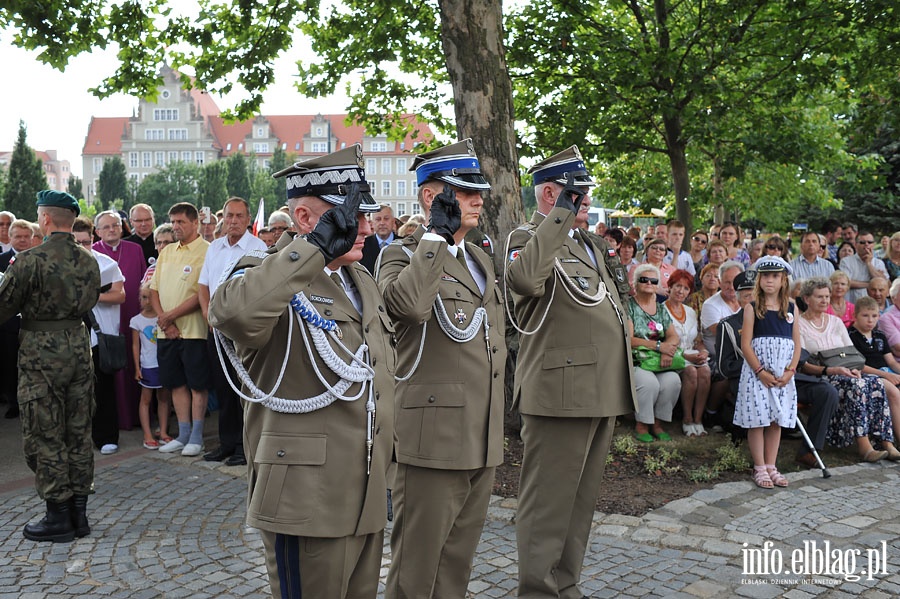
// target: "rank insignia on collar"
[[460, 316]]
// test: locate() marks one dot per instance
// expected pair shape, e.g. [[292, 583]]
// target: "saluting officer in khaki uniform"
[[314, 342], [573, 375], [449, 417]]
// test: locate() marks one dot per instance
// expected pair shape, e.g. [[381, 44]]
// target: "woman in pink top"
[[839, 306], [654, 253]]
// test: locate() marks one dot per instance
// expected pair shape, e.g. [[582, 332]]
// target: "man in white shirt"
[[809, 264], [674, 239], [862, 266], [220, 256]]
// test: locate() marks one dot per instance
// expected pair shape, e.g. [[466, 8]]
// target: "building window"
[[370, 167], [378, 146], [259, 132], [178, 134], [134, 177], [386, 188], [98, 165], [133, 159], [186, 156], [199, 157], [402, 145], [165, 114], [401, 166], [160, 158], [401, 188], [415, 208], [401, 208], [284, 146], [267, 163], [154, 134], [412, 189], [165, 94], [386, 166], [261, 148], [320, 146], [146, 160], [173, 157], [373, 188], [297, 146]]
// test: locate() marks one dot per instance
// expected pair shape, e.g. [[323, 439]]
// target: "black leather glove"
[[571, 196], [446, 217], [336, 231]]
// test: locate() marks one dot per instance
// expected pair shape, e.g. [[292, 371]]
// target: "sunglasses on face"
[[772, 247], [699, 240], [865, 242], [645, 280]]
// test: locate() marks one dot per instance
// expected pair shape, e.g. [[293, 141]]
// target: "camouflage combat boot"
[[56, 526]]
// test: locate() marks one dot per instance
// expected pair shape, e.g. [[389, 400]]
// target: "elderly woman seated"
[[864, 409], [651, 328]]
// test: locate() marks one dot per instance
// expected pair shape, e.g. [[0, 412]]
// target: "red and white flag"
[[260, 221]]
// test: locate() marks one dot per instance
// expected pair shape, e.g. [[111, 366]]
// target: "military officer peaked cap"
[[557, 167], [58, 199], [330, 177], [455, 165], [745, 280], [773, 264]]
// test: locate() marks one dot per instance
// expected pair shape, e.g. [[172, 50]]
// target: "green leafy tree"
[[25, 178], [213, 191], [237, 182], [113, 184], [693, 82], [176, 182], [75, 187], [235, 43]]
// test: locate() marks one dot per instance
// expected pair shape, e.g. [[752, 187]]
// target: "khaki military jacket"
[[307, 472], [579, 363], [450, 412]]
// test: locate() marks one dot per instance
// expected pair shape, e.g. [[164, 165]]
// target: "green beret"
[[59, 199]]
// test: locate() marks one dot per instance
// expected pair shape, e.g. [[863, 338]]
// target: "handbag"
[[649, 359], [112, 348], [846, 357]]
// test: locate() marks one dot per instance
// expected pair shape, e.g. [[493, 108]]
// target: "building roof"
[[105, 135]]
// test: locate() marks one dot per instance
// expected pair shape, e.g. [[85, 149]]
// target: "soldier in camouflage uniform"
[[53, 286]]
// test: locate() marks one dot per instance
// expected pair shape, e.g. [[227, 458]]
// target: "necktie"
[[461, 256], [337, 279]]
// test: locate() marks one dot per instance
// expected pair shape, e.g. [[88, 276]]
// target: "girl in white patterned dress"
[[767, 398]]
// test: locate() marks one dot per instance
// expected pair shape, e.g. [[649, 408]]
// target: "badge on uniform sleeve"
[[513, 255], [611, 252], [460, 316]]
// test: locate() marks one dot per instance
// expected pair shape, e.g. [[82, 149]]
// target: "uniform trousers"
[[317, 567], [562, 469], [56, 407], [439, 515]]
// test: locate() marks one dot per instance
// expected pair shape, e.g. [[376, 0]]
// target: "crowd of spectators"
[[834, 271]]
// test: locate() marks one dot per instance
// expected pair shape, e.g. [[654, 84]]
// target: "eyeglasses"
[[85, 243], [865, 241], [645, 280], [282, 229], [772, 247], [699, 240], [657, 246]]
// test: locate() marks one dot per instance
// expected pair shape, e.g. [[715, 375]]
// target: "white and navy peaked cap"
[[557, 167], [330, 177], [455, 165]]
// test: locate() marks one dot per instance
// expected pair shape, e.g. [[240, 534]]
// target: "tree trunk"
[[680, 176], [472, 37]]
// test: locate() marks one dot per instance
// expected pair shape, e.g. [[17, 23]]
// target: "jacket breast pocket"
[[288, 467], [430, 420], [389, 338], [571, 371]]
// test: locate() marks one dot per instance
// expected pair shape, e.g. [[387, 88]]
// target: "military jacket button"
[[327, 312], [294, 256], [280, 453], [568, 360], [557, 220], [431, 399]]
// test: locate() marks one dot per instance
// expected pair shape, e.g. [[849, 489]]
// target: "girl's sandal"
[[777, 477], [761, 478]]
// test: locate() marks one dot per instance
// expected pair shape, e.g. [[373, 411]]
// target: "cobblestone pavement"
[[168, 526]]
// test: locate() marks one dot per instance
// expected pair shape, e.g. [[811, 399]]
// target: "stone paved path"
[[167, 526]]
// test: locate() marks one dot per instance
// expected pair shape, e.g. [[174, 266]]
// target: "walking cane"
[[809, 444]]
